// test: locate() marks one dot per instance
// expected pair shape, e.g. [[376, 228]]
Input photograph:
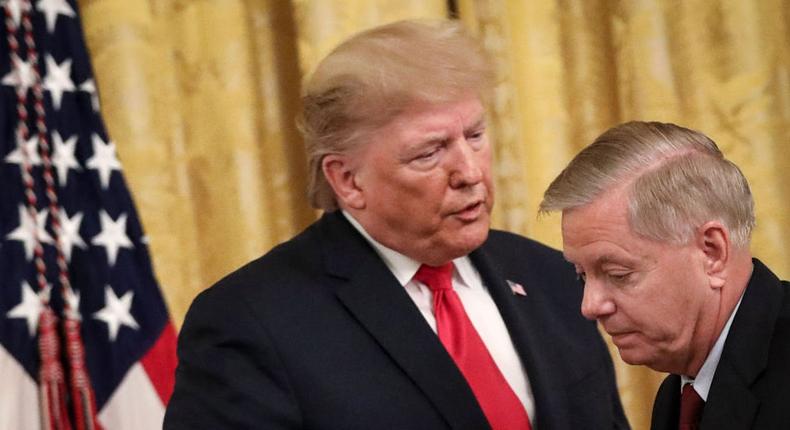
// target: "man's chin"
[[469, 238], [631, 358], [636, 357]]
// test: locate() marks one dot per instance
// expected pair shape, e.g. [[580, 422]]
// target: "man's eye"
[[431, 151], [477, 139], [619, 278], [476, 135], [428, 154], [425, 158]]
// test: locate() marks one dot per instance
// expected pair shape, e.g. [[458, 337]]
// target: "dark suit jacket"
[[751, 386], [318, 334]]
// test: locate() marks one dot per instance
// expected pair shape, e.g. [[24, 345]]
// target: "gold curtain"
[[200, 97]]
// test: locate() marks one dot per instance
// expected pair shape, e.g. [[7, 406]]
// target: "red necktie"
[[690, 408], [497, 400]]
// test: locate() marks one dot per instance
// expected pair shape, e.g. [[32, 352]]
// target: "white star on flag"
[[63, 156], [28, 229], [21, 76], [116, 312], [58, 79], [113, 235], [51, 10], [70, 233], [23, 148], [90, 87], [104, 160], [30, 307]]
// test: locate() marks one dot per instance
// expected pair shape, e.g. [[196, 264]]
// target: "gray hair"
[[373, 76], [678, 179]]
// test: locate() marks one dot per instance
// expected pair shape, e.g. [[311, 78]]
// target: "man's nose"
[[596, 302], [467, 165]]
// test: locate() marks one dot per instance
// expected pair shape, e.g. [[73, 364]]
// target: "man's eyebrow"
[[477, 124], [601, 260], [433, 136], [421, 143], [610, 258]]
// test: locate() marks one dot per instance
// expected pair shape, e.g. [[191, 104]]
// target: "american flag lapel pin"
[[518, 289]]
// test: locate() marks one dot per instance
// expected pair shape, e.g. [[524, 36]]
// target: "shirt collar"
[[404, 268], [704, 377]]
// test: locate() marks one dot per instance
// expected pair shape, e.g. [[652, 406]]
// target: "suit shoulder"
[[514, 239], [507, 246], [291, 262]]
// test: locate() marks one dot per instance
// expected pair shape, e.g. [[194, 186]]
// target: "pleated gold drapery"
[[200, 98]]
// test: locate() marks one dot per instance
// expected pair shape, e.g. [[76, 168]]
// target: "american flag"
[[71, 244]]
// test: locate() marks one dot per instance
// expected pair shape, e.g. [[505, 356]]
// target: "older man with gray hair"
[[658, 222]]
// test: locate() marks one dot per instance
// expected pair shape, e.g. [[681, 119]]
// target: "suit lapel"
[[381, 305], [732, 405], [527, 320], [666, 408], [730, 402]]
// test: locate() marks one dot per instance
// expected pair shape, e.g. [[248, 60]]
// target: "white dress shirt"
[[479, 306], [702, 382]]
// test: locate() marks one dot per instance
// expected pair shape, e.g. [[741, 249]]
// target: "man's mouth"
[[620, 337], [471, 211]]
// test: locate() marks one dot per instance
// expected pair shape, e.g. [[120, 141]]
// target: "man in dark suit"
[[658, 223], [398, 309]]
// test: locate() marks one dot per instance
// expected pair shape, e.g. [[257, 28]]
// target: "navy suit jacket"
[[751, 385], [318, 334]]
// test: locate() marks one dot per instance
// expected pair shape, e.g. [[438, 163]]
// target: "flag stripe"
[[134, 405], [160, 363], [19, 405]]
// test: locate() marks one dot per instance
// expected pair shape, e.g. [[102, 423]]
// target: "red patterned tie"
[[497, 400], [690, 408]]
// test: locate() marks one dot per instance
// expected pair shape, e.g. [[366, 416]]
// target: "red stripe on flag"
[[160, 363]]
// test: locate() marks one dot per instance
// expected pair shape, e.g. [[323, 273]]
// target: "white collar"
[[705, 375], [404, 268]]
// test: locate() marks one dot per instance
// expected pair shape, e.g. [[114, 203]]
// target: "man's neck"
[[739, 271]]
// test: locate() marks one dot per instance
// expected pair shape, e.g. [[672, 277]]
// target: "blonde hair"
[[373, 76], [678, 179]]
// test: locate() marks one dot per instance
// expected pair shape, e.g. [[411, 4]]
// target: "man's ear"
[[341, 175], [713, 239]]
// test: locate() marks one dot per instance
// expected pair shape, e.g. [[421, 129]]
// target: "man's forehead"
[[600, 253], [442, 129], [468, 109], [611, 244], [437, 122], [598, 227]]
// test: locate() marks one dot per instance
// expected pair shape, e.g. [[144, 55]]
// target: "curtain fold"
[[200, 98]]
